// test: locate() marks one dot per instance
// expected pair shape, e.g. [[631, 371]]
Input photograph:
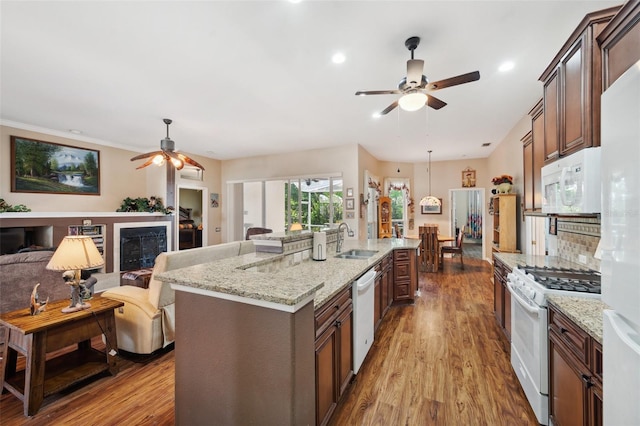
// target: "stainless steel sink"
[[356, 254]]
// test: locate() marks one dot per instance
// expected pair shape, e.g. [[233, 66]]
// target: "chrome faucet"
[[341, 237]]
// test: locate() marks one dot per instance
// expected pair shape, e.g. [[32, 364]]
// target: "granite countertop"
[[284, 279], [586, 313]]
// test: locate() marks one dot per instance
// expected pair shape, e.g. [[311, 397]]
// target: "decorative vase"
[[504, 188]]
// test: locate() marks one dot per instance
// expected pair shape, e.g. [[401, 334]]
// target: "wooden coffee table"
[[35, 336]]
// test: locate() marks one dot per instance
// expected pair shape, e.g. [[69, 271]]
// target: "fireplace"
[[139, 243]]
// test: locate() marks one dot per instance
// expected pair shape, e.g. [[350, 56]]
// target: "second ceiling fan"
[[415, 86]]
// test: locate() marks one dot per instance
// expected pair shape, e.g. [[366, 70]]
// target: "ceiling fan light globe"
[[412, 101], [177, 163], [158, 160]]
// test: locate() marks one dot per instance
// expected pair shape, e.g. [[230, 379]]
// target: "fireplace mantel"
[[41, 215]]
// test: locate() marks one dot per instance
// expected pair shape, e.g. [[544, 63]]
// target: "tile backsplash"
[[577, 240]]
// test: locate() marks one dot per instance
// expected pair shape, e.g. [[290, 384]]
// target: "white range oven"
[[529, 287]]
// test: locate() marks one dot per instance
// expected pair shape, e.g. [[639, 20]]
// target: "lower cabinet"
[[502, 297], [405, 274], [384, 289], [575, 373], [334, 353]]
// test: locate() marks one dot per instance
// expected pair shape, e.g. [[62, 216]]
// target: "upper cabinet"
[[620, 43], [533, 157], [572, 88]]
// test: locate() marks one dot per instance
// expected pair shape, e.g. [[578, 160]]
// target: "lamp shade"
[[412, 101], [295, 226], [74, 253], [430, 200]]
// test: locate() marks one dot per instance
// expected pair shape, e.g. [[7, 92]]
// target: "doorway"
[[192, 217], [467, 209]]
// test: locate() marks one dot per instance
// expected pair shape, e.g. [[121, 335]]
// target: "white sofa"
[[146, 322]]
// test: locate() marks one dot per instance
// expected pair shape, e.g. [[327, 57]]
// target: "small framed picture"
[[349, 215], [86, 222], [350, 204], [349, 192], [468, 178]]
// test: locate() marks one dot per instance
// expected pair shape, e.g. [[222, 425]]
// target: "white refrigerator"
[[620, 244]]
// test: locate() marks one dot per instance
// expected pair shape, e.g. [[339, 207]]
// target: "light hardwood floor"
[[441, 361]]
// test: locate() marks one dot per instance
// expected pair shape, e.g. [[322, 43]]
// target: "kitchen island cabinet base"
[[238, 363]]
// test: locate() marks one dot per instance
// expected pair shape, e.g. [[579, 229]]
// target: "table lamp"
[[72, 255]]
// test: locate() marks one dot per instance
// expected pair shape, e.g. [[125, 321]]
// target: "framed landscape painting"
[[52, 168]]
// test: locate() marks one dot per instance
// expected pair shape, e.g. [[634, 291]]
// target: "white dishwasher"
[[363, 322]]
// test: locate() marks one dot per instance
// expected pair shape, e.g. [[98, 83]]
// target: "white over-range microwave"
[[572, 184]]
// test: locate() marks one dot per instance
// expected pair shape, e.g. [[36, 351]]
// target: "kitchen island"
[[245, 332]]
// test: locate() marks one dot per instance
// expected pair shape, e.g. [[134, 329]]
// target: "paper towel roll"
[[319, 246]]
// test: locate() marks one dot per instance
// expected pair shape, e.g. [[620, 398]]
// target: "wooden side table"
[[35, 336]]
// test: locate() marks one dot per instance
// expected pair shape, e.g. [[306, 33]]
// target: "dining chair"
[[457, 249]]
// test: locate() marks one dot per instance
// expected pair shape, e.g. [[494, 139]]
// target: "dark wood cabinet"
[[333, 353], [620, 43], [533, 150], [383, 289], [502, 297], [575, 373], [405, 275], [572, 88]]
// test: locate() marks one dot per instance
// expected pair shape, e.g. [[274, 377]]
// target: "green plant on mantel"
[[144, 205], [8, 208]]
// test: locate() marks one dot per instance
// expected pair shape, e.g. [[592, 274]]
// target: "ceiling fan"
[[415, 86], [166, 153]]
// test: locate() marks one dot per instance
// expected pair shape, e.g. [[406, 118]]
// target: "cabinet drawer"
[[327, 313], [402, 271], [576, 339], [386, 262], [402, 291], [401, 255]]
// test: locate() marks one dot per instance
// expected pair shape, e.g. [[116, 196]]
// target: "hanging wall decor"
[[468, 178]]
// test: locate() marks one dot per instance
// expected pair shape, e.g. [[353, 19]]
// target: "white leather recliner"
[[147, 322]]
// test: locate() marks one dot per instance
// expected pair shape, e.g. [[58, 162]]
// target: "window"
[[398, 204], [313, 202]]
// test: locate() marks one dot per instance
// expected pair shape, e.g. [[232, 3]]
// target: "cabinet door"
[[537, 136], [344, 326], [527, 171], [550, 119], [595, 406], [498, 299], [389, 276], [567, 386], [575, 99], [326, 378], [507, 310], [377, 300]]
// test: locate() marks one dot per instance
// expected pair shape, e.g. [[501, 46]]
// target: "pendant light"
[[430, 200]]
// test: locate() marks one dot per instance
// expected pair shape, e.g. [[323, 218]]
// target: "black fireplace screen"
[[139, 247]]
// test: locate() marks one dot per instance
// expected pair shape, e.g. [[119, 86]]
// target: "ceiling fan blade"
[[454, 81], [378, 92], [146, 163], [389, 108], [435, 103], [414, 72], [148, 154], [188, 160]]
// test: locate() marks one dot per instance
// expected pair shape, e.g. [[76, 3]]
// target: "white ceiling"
[[244, 78]]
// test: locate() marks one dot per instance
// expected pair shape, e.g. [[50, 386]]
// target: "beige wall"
[[118, 179], [318, 162]]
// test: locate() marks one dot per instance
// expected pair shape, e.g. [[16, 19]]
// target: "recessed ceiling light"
[[75, 131], [294, 1], [506, 66], [338, 58], [376, 115]]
